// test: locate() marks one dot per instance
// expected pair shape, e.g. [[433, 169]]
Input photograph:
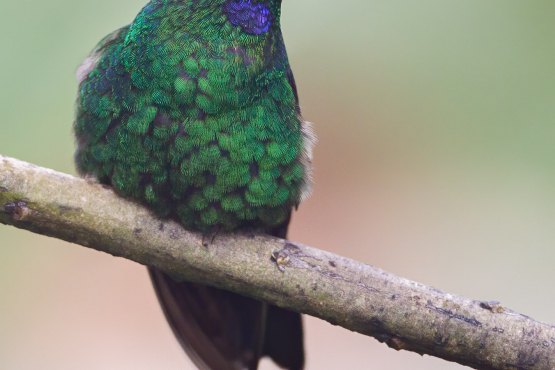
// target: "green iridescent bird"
[[193, 110]]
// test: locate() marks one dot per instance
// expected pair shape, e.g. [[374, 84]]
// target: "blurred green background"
[[435, 161]]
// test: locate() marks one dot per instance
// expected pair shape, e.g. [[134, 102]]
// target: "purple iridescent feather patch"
[[253, 18]]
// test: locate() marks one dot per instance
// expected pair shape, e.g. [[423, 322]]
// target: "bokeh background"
[[435, 161]]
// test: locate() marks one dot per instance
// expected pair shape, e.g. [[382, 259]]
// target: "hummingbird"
[[193, 111]]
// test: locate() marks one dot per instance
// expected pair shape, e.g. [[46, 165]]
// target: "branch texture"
[[402, 313]]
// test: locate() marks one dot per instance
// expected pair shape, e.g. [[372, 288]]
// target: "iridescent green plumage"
[[198, 119], [192, 110]]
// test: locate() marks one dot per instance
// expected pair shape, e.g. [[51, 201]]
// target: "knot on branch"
[[18, 210]]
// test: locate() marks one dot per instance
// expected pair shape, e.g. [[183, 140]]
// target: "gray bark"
[[404, 314]]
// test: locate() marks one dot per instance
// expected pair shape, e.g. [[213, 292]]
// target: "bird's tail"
[[220, 330]]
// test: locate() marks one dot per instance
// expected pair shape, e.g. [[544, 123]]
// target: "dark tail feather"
[[221, 330], [283, 341], [218, 329]]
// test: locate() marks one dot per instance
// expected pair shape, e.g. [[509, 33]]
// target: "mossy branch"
[[402, 313]]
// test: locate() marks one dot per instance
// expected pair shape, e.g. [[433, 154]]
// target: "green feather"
[[187, 113]]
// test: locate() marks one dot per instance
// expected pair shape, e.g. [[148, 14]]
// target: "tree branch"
[[402, 313]]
